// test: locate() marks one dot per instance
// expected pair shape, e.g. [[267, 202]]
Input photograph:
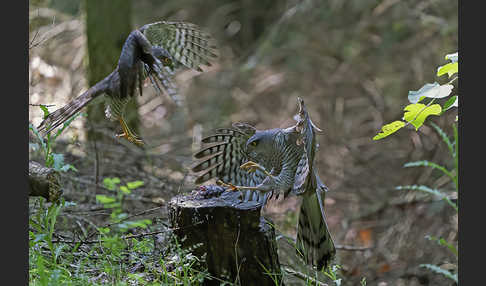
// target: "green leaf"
[[451, 102], [443, 242], [450, 69], [125, 190], [105, 199], [45, 110], [110, 183], [68, 167], [133, 224], [58, 251], [389, 129], [39, 137], [58, 161], [431, 90], [134, 184], [439, 270], [104, 230], [66, 124], [417, 113], [452, 57]]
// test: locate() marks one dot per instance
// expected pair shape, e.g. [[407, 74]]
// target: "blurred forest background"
[[353, 62]]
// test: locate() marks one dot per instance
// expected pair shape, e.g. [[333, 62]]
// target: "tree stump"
[[44, 182], [238, 242]]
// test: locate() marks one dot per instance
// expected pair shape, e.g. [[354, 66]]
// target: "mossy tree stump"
[[239, 243]]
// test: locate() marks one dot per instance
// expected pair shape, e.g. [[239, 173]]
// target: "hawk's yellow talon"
[[127, 134], [226, 185], [251, 167]]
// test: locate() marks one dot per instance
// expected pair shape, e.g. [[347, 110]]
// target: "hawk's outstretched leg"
[[250, 167], [128, 134]]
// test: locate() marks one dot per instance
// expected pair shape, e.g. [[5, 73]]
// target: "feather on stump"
[[236, 239]]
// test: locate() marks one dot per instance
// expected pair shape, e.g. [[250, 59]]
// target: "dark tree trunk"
[[237, 240], [44, 182], [108, 24]]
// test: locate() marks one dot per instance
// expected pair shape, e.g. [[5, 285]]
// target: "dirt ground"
[[363, 207]]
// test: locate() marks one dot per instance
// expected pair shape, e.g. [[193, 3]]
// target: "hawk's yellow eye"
[[254, 143], [167, 60]]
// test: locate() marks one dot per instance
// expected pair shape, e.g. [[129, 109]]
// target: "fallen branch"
[[44, 182]]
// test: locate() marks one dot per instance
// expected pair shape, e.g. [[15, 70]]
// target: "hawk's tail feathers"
[[314, 241], [61, 115]]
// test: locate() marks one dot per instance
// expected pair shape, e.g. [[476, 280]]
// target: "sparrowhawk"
[[155, 51], [274, 160]]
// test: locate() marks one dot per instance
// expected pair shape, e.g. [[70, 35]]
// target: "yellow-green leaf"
[[450, 69], [125, 190], [134, 184], [389, 129], [417, 113]]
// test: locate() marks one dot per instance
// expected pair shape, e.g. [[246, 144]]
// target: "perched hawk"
[[274, 160]]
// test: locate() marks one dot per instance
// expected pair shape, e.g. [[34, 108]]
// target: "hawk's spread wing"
[[185, 42], [221, 157]]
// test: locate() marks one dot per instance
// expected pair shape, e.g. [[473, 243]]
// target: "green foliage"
[[429, 191], [416, 113], [439, 270], [443, 242], [55, 261], [114, 203], [52, 160], [389, 129], [453, 175], [45, 267], [332, 273]]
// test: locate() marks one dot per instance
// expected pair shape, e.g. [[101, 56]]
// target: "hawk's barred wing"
[[155, 51], [221, 157], [185, 42]]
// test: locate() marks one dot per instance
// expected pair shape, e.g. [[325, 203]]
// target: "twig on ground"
[[303, 276], [352, 248], [123, 237]]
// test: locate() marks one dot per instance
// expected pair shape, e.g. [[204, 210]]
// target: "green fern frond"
[[444, 138], [429, 191], [425, 163], [441, 241], [439, 270]]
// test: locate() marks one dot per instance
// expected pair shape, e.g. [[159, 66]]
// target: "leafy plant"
[[332, 273], [45, 268], [52, 160], [416, 113], [115, 203], [453, 175]]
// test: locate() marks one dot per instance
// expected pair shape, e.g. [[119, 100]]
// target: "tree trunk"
[[44, 182], [237, 240], [108, 24]]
